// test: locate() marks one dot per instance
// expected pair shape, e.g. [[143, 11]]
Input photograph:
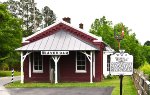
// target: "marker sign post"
[[121, 64]]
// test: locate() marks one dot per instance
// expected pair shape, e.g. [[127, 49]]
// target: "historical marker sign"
[[121, 64]]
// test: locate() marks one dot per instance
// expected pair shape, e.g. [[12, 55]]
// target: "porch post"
[[22, 60], [91, 75], [29, 66], [56, 80], [56, 58], [90, 58], [94, 64], [22, 76]]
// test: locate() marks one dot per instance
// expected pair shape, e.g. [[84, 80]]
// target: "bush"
[[111, 77], [4, 66], [145, 68]]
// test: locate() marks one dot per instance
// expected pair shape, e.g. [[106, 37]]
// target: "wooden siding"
[[66, 70], [37, 77]]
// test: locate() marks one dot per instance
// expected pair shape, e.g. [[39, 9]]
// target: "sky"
[[135, 14]]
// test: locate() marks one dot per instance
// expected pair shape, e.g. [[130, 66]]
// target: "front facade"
[[61, 53]]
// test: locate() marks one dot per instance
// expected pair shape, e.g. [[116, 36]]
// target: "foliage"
[[133, 47], [102, 27], [31, 15], [128, 86], [111, 77], [18, 21], [8, 73], [147, 43], [4, 66], [146, 53], [48, 16], [145, 68], [10, 34]]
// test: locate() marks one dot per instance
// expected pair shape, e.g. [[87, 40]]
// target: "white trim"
[[22, 75], [50, 69], [24, 40], [80, 71], [37, 71], [105, 53], [29, 66], [42, 30], [23, 57], [94, 64], [90, 58], [91, 75], [56, 77], [108, 63], [56, 59]]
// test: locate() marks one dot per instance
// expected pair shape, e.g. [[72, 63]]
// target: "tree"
[[131, 45], [31, 15], [48, 16], [24, 9], [102, 27], [10, 35], [146, 53], [147, 43]]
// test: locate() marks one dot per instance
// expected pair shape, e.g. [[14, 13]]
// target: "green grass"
[[8, 73], [128, 87]]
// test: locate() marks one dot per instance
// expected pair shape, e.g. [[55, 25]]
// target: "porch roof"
[[62, 40]]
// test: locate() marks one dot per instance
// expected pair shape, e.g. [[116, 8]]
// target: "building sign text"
[[54, 52]]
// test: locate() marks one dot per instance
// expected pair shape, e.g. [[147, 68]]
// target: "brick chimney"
[[67, 19], [81, 26]]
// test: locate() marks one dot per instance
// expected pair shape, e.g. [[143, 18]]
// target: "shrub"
[[145, 68], [4, 66], [111, 77]]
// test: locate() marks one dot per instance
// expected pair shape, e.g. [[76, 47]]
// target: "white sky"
[[135, 14]]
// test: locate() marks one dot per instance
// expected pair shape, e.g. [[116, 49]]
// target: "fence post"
[[12, 75], [142, 84], [149, 89]]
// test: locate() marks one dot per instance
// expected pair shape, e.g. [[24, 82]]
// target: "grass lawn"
[[8, 73], [128, 87]]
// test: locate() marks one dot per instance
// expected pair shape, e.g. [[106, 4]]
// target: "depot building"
[[63, 53]]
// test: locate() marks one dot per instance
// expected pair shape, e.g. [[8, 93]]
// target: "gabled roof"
[[62, 25], [62, 40], [71, 39]]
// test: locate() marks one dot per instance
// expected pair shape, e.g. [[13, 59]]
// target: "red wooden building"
[[72, 54]]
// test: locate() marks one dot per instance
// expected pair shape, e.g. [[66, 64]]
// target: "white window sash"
[[80, 71], [37, 71]]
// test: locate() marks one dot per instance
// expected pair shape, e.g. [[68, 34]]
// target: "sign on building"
[[54, 52], [121, 64]]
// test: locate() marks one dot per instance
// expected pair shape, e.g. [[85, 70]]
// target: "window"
[[80, 63], [37, 62], [108, 62]]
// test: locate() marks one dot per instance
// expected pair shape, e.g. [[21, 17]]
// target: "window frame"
[[108, 62], [80, 71], [37, 71]]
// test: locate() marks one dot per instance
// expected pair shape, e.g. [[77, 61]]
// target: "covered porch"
[[75, 66]]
